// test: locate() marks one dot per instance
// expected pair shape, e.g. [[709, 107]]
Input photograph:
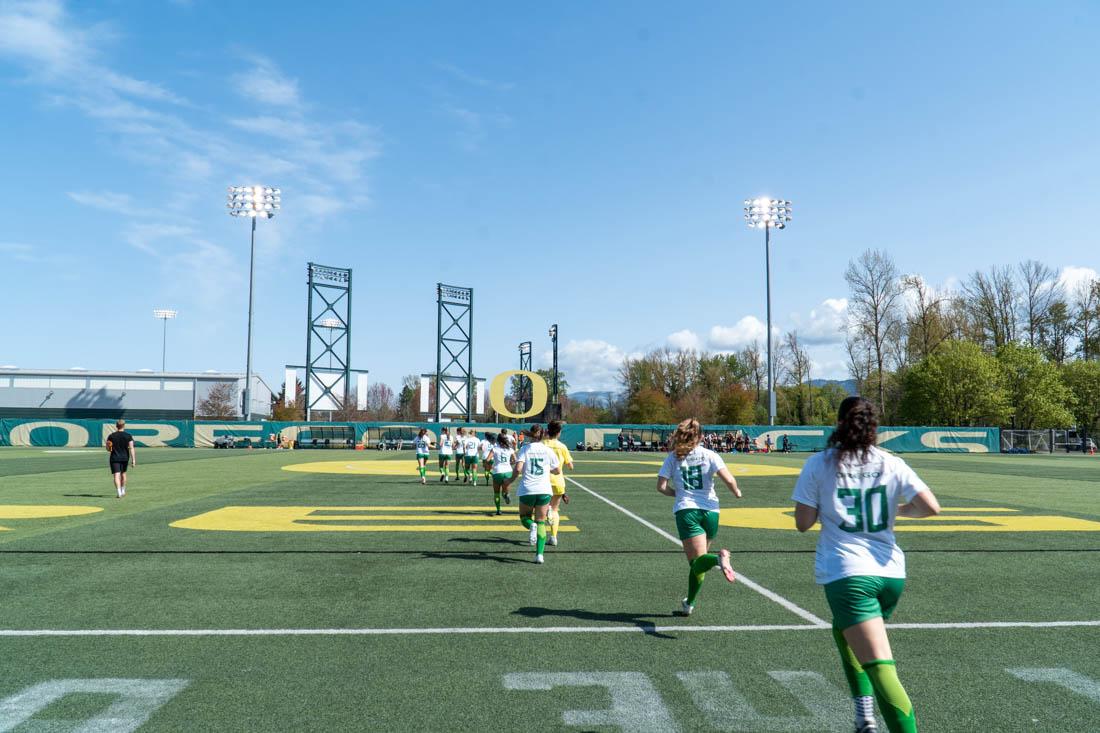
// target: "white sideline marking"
[[751, 584], [643, 629]]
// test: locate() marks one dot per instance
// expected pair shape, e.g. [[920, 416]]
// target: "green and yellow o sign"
[[539, 392]]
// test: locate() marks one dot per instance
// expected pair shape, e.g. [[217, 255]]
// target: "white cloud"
[[1073, 276], [474, 126], [825, 324], [145, 237], [18, 251], [266, 84], [591, 365], [685, 340], [106, 200], [272, 126], [737, 336], [467, 77]]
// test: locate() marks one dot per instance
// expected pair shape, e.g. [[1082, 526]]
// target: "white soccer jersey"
[[538, 460], [502, 459], [422, 446], [486, 449], [511, 438], [446, 447], [693, 478], [471, 445], [857, 504]]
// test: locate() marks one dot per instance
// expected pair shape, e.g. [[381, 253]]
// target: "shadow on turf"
[[471, 556], [636, 619], [91, 496], [489, 540]]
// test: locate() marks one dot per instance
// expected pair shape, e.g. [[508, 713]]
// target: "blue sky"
[[575, 162]]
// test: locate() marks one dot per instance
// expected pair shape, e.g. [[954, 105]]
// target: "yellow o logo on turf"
[[539, 392]]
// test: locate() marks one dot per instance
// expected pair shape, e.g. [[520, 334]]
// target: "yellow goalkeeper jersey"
[[564, 457]]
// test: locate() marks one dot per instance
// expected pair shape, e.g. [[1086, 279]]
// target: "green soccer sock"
[[423, 471], [442, 469], [698, 572], [858, 682], [496, 499], [541, 537], [526, 522], [893, 702]]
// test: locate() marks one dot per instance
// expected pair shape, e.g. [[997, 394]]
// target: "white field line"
[[624, 629], [751, 584]]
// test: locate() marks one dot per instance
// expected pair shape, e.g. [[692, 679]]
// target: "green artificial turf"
[[126, 568]]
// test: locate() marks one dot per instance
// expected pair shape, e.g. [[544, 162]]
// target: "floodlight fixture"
[[767, 214], [165, 315], [252, 202]]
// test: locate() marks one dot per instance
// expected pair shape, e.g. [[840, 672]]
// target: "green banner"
[[203, 434]]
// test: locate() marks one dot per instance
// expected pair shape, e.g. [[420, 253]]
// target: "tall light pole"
[[254, 202], [164, 314], [768, 214], [554, 385]]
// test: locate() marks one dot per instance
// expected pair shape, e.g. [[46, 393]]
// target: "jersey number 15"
[[863, 509]]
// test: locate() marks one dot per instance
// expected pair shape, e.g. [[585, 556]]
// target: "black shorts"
[[119, 467]]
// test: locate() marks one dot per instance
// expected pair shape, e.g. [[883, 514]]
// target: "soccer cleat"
[[552, 541], [867, 728], [685, 608], [499, 512], [423, 480], [724, 563], [538, 559], [533, 535], [507, 498], [441, 477], [565, 498]]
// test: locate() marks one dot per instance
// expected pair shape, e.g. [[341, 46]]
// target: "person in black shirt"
[[120, 450]]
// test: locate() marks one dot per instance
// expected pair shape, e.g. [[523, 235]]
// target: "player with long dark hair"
[[535, 464], [423, 451], [857, 491]]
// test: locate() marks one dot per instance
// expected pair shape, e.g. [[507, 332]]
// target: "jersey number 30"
[[863, 509]]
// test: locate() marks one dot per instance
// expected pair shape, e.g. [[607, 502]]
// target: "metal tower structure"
[[454, 351], [329, 324], [524, 397]]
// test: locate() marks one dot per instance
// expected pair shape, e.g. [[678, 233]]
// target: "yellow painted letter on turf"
[[43, 511]]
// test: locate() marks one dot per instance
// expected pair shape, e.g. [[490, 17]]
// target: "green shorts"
[[421, 455], [500, 478], [444, 458], [694, 522], [861, 597], [471, 460], [535, 500]]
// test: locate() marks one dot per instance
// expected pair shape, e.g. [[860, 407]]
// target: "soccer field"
[[226, 592]]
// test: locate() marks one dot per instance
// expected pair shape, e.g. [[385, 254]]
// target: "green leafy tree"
[[1038, 397], [649, 405], [959, 385], [1083, 380]]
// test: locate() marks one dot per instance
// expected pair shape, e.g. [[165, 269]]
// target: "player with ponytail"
[[691, 468], [857, 491]]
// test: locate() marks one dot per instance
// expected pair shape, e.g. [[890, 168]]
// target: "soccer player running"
[[485, 448], [423, 451], [120, 447], [557, 480], [857, 491], [535, 464], [460, 451], [503, 458], [691, 469], [470, 459], [446, 450]]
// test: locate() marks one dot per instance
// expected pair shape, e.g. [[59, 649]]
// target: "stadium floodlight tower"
[[331, 324], [253, 202], [525, 386], [164, 314], [768, 214]]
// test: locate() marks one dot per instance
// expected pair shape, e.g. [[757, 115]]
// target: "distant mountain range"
[[848, 385], [591, 398]]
